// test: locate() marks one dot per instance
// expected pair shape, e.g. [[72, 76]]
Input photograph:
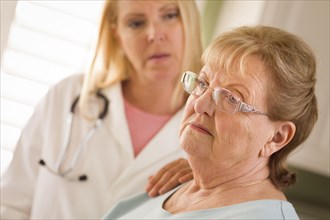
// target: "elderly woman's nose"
[[204, 104], [155, 32]]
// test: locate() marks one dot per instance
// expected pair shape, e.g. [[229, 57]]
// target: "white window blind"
[[48, 41]]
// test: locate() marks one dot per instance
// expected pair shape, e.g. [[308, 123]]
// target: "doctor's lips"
[[158, 56], [200, 128]]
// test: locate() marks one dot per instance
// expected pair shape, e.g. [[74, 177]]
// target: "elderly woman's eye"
[[232, 100], [201, 84]]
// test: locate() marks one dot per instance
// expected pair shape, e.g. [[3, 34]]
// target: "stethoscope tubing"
[[58, 166], [64, 148]]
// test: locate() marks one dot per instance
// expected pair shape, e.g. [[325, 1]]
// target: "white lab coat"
[[29, 190]]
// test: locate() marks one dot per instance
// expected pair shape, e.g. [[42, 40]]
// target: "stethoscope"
[[58, 167]]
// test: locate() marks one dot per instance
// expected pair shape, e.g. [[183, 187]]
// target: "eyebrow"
[[203, 74], [163, 8], [168, 6]]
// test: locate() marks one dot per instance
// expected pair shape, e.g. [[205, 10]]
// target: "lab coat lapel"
[[116, 122]]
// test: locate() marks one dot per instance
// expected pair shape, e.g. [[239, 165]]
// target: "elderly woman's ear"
[[283, 134]]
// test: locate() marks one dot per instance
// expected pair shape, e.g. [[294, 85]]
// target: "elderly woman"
[[250, 106]]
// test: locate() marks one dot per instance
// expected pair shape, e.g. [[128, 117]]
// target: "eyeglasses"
[[224, 99]]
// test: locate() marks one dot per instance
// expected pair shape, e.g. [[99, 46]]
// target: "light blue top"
[[142, 206]]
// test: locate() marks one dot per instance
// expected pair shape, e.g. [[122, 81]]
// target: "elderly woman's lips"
[[200, 128]]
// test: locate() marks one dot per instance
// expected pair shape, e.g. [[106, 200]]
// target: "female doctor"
[[96, 139]]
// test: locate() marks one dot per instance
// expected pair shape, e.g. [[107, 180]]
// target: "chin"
[[168, 70], [189, 143], [195, 144]]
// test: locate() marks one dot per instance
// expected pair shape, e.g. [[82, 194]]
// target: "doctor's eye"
[[171, 15], [136, 23]]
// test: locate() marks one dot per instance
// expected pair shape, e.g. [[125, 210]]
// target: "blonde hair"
[[115, 66], [291, 67]]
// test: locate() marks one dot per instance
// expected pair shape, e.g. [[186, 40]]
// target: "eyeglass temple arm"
[[243, 107]]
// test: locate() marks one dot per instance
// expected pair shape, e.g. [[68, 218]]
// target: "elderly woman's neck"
[[208, 176]]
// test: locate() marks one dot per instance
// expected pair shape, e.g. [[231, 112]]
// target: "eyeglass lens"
[[223, 98]]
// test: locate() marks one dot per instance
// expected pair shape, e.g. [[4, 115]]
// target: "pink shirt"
[[143, 126]]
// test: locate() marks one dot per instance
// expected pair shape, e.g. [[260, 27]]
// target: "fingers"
[[189, 176], [159, 181], [168, 177], [167, 168], [174, 181], [155, 178], [150, 184]]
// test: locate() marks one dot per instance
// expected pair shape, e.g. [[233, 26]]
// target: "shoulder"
[[72, 81], [61, 94], [265, 209], [259, 209], [66, 88]]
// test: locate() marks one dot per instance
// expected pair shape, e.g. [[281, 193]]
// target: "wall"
[[7, 15]]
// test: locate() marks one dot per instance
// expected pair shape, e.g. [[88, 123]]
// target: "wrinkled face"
[[222, 138], [151, 36]]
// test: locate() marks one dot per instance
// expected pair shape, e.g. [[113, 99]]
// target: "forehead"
[[142, 6], [252, 72]]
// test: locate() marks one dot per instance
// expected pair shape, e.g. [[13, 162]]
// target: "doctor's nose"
[[155, 33]]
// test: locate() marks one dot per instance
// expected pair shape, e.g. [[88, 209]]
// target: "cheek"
[[177, 40], [241, 138], [225, 137], [233, 135], [131, 48], [262, 133], [187, 113], [131, 44]]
